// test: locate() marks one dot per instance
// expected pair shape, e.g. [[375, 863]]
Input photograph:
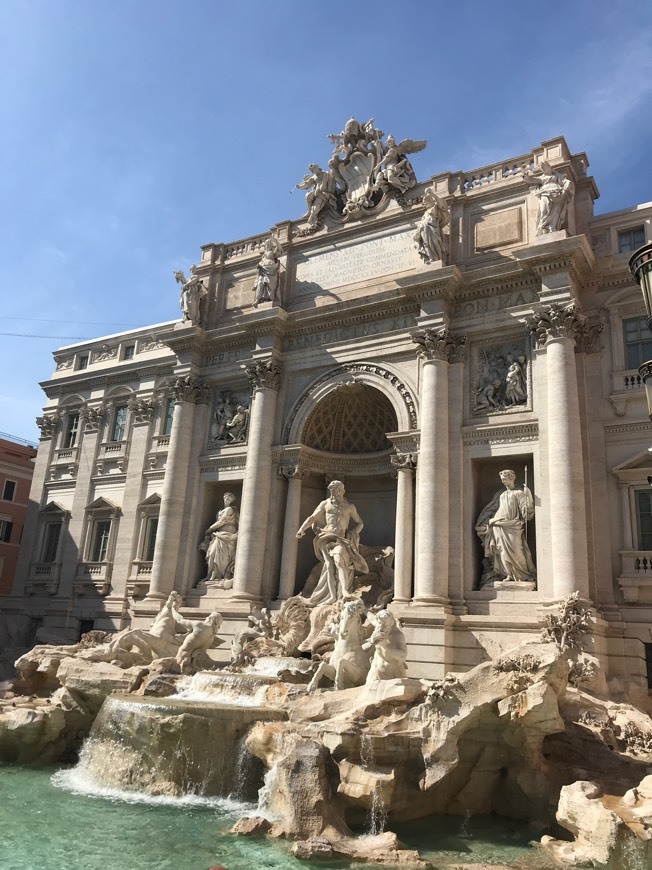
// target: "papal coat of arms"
[[366, 168]]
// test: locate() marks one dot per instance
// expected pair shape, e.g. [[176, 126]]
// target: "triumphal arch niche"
[[345, 426]]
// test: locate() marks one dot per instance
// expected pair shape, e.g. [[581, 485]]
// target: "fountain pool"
[[64, 821]]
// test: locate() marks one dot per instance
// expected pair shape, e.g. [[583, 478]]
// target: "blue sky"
[[133, 131]]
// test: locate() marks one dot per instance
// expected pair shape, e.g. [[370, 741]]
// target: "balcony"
[[93, 578], [635, 580], [43, 578]]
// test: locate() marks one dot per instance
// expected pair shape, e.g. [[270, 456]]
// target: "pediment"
[[53, 507], [103, 504], [151, 501], [636, 469]]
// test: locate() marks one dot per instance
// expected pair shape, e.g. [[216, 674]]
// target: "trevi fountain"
[[348, 563]]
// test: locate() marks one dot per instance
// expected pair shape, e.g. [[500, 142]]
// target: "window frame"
[[14, 483], [46, 543], [630, 231], [71, 430], [119, 423], [6, 530], [644, 337]]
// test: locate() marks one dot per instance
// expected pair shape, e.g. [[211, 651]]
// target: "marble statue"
[[192, 293], [237, 427], [268, 273], [555, 194], [348, 664], [199, 639], [502, 378], [161, 640], [394, 171], [432, 245], [219, 544], [222, 416], [259, 624], [336, 545], [321, 190], [501, 528], [515, 389], [389, 648], [363, 172]]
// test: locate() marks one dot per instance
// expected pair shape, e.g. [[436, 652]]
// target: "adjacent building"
[[410, 339], [16, 469]]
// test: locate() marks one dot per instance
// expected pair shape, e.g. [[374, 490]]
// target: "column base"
[[431, 601], [246, 596]]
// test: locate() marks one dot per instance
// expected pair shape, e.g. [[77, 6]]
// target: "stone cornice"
[[572, 255], [75, 383], [442, 283], [483, 435], [619, 428], [220, 462], [365, 310]]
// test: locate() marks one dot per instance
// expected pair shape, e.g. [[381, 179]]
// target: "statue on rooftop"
[[268, 273], [555, 193], [363, 172], [192, 293], [432, 244]]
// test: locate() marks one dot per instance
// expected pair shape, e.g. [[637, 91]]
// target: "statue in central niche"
[[337, 526]]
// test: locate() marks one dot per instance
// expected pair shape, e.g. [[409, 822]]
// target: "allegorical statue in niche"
[[219, 544], [555, 194], [321, 190], [268, 272], [192, 293], [336, 545], [432, 244], [501, 528]]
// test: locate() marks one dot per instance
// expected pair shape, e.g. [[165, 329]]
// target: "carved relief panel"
[[501, 377], [229, 418]]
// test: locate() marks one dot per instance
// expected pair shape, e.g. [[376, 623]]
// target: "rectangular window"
[[82, 361], [9, 490], [644, 516], [51, 542], [5, 531], [129, 351], [119, 423], [100, 544], [648, 663], [638, 342], [630, 240], [169, 416], [72, 428], [150, 539]]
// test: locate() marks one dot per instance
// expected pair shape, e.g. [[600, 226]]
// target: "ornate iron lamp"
[[640, 265]]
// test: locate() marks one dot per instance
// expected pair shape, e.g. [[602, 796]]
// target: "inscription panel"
[[339, 267]]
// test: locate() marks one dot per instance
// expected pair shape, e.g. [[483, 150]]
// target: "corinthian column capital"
[[439, 344], [191, 389], [556, 321], [264, 373]]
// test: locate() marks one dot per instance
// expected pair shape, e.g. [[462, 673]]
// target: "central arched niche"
[[352, 418], [346, 437]]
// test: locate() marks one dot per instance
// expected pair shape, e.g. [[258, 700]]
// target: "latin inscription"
[[495, 303], [346, 333], [367, 260], [227, 356]]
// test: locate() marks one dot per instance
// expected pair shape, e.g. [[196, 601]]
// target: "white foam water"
[[77, 780]]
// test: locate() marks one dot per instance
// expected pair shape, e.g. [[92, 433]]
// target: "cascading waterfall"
[[377, 818]]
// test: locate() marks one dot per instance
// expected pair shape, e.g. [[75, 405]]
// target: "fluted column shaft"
[[187, 393], [256, 488], [294, 476], [557, 327], [565, 472], [432, 489], [404, 538]]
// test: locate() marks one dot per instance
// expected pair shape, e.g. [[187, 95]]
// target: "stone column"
[[404, 464], [556, 328], [188, 392], [288, 578], [265, 379], [437, 349]]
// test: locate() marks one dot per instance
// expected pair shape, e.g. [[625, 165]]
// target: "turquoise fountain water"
[[65, 821]]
